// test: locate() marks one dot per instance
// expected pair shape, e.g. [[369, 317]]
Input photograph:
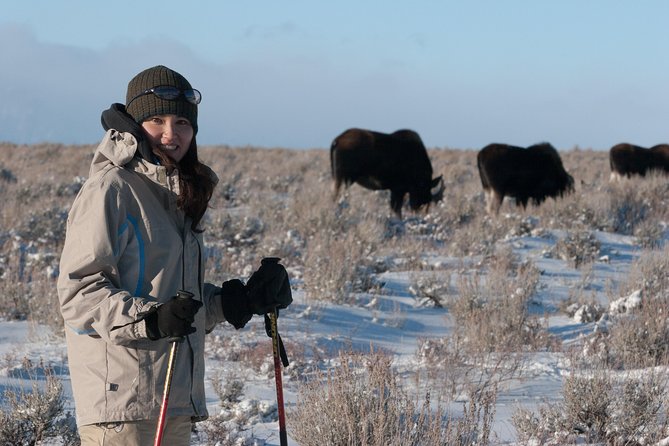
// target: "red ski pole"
[[283, 436], [168, 378]]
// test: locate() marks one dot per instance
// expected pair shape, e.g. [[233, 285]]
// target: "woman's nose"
[[168, 132]]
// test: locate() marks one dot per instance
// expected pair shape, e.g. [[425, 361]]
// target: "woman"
[[134, 239]]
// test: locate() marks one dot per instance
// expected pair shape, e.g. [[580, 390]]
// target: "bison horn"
[[438, 183]]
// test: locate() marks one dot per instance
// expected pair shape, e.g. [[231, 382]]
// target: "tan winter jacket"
[[128, 248]]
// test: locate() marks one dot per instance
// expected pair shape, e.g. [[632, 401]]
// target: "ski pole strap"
[[282, 350]]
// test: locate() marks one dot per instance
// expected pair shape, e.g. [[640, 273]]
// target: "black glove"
[[234, 301], [269, 288], [174, 318]]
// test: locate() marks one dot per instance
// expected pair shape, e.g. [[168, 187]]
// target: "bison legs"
[[493, 201], [615, 177], [396, 202], [335, 192]]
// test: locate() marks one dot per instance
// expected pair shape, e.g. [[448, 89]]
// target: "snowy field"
[[360, 326], [390, 315]]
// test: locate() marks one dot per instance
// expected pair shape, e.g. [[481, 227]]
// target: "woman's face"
[[169, 134]]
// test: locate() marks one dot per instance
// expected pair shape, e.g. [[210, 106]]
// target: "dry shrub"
[[362, 402], [14, 299], [599, 407], [32, 416], [37, 187], [477, 238], [628, 209], [639, 337], [492, 313], [577, 212], [650, 233], [493, 329], [482, 234], [432, 288], [578, 248], [223, 345], [640, 206], [42, 176], [27, 284], [230, 425], [226, 427], [338, 265], [649, 273]]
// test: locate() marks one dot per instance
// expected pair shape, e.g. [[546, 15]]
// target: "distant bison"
[[396, 161], [534, 173], [627, 160]]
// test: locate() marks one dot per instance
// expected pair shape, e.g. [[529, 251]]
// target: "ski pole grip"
[[181, 294]]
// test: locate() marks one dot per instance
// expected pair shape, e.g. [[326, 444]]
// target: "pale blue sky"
[[295, 74]]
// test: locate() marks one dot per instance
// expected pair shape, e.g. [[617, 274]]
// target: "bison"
[[627, 160], [534, 173], [376, 161]]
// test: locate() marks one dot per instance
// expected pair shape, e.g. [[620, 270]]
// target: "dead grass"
[[639, 337], [493, 329], [599, 408], [36, 415], [362, 402]]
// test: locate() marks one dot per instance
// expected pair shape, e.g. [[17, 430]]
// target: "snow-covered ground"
[[393, 320]]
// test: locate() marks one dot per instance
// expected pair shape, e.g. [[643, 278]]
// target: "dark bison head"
[[397, 162], [425, 194]]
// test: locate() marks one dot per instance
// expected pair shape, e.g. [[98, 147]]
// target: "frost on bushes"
[[231, 244], [651, 234], [627, 304], [46, 228], [338, 266], [598, 408], [578, 248], [35, 415], [229, 427], [288, 245], [522, 227], [234, 230], [635, 331], [584, 313], [627, 210], [410, 226], [362, 402], [493, 329], [430, 289]]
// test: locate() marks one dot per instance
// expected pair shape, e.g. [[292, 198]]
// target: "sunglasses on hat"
[[171, 94]]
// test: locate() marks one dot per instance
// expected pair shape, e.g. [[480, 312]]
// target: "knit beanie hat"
[[147, 105]]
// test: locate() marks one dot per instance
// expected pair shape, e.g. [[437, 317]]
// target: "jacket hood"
[[116, 148]]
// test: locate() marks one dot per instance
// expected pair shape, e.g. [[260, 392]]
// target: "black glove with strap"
[[269, 287], [172, 319], [269, 291]]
